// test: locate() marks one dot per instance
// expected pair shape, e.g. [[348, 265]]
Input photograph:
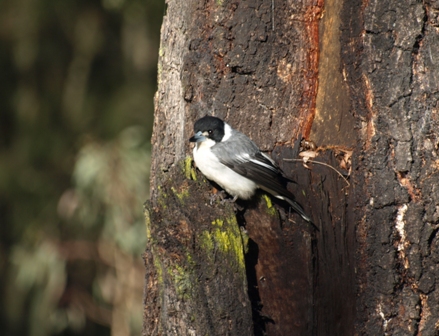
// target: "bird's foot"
[[229, 200], [237, 206], [221, 195]]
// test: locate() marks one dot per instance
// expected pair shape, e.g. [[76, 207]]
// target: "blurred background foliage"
[[76, 111]]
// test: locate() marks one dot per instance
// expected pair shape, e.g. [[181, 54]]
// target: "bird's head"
[[209, 128]]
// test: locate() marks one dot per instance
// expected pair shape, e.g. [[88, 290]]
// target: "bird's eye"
[[209, 131]]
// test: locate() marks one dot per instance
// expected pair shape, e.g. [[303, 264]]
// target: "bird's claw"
[[218, 195], [229, 200], [223, 196]]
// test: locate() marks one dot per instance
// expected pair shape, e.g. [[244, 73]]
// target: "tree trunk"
[[360, 80], [395, 82]]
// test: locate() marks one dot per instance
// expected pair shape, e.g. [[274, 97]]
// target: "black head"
[[208, 127]]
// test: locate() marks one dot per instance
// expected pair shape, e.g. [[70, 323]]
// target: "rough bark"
[[363, 78], [397, 163]]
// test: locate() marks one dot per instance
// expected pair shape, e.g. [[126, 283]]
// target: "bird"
[[233, 161]]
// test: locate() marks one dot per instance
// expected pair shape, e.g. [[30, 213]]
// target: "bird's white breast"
[[213, 169]]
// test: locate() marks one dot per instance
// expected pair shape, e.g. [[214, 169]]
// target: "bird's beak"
[[198, 137]]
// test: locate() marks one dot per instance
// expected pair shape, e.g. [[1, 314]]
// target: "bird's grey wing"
[[243, 157]]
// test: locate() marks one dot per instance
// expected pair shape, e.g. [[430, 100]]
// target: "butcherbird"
[[229, 158]]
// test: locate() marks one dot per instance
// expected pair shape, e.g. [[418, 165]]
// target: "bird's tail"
[[296, 207], [278, 191]]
